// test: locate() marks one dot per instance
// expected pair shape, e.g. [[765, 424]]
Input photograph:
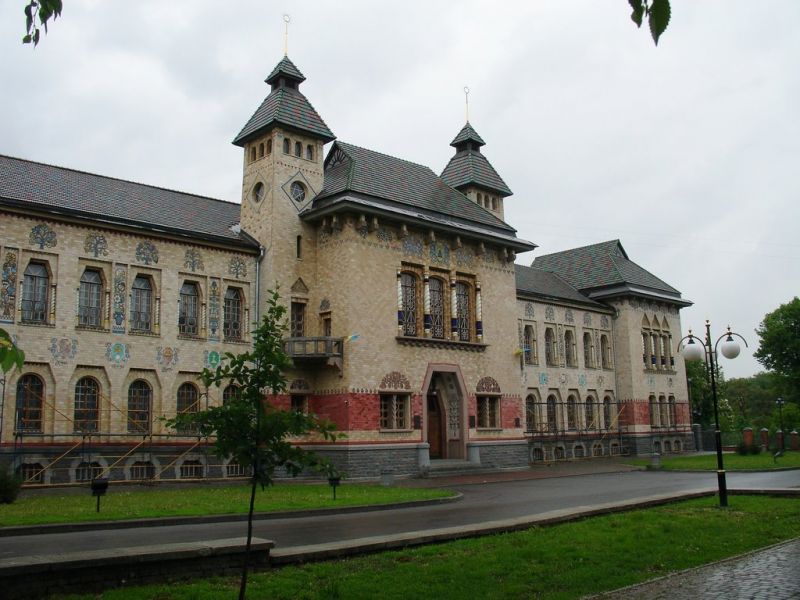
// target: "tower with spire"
[[473, 175]]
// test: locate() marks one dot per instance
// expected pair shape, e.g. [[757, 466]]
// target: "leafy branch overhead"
[[657, 12], [10, 355], [41, 11]]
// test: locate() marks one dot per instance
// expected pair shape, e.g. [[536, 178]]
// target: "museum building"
[[410, 325]]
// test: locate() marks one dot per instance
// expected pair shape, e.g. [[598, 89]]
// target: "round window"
[[258, 192], [298, 191]]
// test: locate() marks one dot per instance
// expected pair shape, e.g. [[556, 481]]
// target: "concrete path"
[[771, 574]]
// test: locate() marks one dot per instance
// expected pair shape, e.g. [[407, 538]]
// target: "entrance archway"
[[445, 411]]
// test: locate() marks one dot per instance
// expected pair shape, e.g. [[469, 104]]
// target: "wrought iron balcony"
[[315, 350]]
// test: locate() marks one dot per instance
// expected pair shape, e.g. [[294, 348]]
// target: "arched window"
[[261, 150], [287, 145], [605, 351], [187, 404], [437, 295], [141, 304], [571, 420], [607, 413], [231, 392], [86, 471], [552, 421], [269, 147], [232, 323], [531, 420], [35, 287], [569, 348], [140, 399], [494, 202], [298, 149], [480, 199], [309, 152], [463, 325], [646, 350], [30, 398], [408, 286], [550, 347], [252, 154], [189, 309], [588, 351], [655, 416], [662, 403], [87, 405], [529, 341], [90, 295], [143, 469], [590, 419]]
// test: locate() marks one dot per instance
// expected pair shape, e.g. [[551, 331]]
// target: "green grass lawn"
[[563, 561], [200, 500], [733, 462]]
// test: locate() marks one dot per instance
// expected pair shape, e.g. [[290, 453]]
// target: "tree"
[[247, 427], [10, 354], [753, 398], [779, 346], [657, 12], [43, 10]]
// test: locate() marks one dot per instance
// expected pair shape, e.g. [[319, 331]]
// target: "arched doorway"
[[445, 410], [436, 431]]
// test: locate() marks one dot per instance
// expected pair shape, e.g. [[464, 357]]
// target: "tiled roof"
[[472, 168], [25, 183], [549, 285], [354, 169], [285, 67], [466, 134], [600, 265]]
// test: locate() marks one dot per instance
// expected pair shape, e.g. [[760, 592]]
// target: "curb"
[[224, 518]]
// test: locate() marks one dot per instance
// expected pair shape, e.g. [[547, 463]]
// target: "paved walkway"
[[771, 574]]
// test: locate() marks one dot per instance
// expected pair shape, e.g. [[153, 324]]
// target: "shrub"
[[745, 449], [755, 449], [10, 485]]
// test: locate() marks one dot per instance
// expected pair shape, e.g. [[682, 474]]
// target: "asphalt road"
[[481, 503]]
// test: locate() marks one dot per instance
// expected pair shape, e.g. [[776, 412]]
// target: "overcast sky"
[[687, 152]]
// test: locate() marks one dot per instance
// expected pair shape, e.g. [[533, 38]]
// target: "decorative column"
[[399, 303], [157, 316], [77, 308], [453, 310], [478, 312], [426, 303]]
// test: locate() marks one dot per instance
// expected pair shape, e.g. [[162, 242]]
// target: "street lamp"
[[779, 402], [697, 349]]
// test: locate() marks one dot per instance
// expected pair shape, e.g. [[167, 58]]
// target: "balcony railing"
[[311, 350]]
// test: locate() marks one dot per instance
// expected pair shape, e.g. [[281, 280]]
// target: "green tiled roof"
[[549, 285], [285, 106], [350, 168], [285, 67], [467, 134], [472, 168], [601, 265]]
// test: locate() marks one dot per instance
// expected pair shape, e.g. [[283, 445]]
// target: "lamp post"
[[779, 402], [697, 349]]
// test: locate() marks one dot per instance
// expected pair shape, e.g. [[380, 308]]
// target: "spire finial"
[[286, 20], [466, 101]]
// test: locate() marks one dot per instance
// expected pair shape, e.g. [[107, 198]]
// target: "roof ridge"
[[110, 178], [410, 162], [617, 240]]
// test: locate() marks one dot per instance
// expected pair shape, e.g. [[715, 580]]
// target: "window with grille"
[[298, 319], [569, 349], [191, 469], [550, 348], [140, 397], [30, 398], [607, 412], [552, 421], [233, 469], [141, 305], [87, 405], [437, 296], [408, 287], [488, 412], [394, 411], [232, 318], [35, 286], [188, 403], [90, 299], [143, 469], [590, 422], [188, 312], [571, 414], [463, 312], [86, 471], [31, 472], [529, 346], [530, 413], [231, 392]]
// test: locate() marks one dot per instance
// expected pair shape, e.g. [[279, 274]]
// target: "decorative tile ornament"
[[488, 384], [44, 236], [237, 267], [193, 260], [412, 245], [395, 381], [600, 380], [211, 359], [582, 380], [550, 313], [670, 383], [529, 311], [118, 354], [96, 244], [465, 257], [167, 358], [568, 316], [439, 253], [490, 256], [604, 321], [120, 283], [563, 378], [8, 287], [543, 379], [587, 319], [213, 310], [362, 229], [63, 350], [384, 234], [651, 381], [324, 305], [147, 253]]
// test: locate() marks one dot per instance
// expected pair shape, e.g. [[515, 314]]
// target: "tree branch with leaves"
[[658, 13], [38, 13]]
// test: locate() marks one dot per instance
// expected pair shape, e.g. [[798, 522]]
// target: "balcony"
[[315, 351]]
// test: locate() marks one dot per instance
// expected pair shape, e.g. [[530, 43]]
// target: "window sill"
[[194, 338], [36, 324], [440, 343], [230, 341], [91, 328], [395, 430], [488, 429], [143, 333]]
